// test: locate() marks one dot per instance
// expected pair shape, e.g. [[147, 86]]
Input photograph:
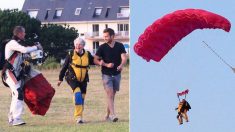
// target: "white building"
[[89, 17]]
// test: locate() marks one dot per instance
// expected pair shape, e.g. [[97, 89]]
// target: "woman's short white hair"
[[79, 41]]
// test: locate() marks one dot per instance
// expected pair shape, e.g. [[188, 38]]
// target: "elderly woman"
[[75, 70]]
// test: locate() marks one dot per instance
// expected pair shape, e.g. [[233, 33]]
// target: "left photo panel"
[[64, 65]]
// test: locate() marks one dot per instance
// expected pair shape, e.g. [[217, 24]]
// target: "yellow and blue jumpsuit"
[[75, 70]]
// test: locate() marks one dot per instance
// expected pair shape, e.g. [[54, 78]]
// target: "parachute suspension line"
[[178, 97], [209, 47]]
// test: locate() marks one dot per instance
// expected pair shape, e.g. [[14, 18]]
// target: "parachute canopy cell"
[[164, 33]]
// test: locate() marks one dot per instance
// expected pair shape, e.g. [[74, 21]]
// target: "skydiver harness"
[[8, 66], [78, 67]]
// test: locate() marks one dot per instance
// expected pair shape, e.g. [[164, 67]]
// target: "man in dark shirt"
[[112, 57]]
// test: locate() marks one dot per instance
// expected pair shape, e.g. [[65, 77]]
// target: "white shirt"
[[13, 46]]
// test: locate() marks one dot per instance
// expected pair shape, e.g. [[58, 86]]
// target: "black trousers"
[[74, 84]]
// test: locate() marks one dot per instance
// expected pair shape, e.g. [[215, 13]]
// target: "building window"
[[97, 12], [124, 12], [126, 27], [33, 13], [78, 11], [107, 12], [58, 13], [47, 14], [95, 28], [95, 46], [123, 29]]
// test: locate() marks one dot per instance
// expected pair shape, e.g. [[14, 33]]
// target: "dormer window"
[[33, 13], [107, 12], [47, 14], [97, 12], [58, 13], [124, 12], [77, 11]]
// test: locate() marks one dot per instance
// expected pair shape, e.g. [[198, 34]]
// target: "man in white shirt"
[[14, 56]]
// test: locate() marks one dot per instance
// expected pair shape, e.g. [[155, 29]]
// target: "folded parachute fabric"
[[38, 93]]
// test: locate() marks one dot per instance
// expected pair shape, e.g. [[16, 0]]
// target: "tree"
[[11, 18], [57, 39]]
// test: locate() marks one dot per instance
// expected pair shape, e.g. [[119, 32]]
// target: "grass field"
[[59, 118]]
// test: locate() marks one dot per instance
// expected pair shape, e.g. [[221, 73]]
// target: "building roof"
[[69, 7]]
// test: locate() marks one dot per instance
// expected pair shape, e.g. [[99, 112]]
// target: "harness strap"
[[8, 65], [79, 66]]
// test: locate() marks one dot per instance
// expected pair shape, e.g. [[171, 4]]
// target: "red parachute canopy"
[[164, 33], [183, 92]]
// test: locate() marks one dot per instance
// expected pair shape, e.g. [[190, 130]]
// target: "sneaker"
[[113, 118], [18, 122], [80, 121]]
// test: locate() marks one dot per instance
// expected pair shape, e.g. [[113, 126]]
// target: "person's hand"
[[110, 65], [39, 46], [58, 83], [119, 68], [101, 63]]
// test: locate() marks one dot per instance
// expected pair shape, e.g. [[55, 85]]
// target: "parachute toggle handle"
[[185, 92]]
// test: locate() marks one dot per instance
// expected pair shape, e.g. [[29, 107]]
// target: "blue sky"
[[11, 4], [189, 65]]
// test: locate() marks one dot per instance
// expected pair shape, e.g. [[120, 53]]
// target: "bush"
[[50, 63]]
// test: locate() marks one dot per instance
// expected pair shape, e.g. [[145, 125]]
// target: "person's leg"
[[78, 101], [108, 111], [108, 86], [83, 91], [10, 114], [17, 104], [180, 119], [185, 115], [110, 100], [116, 87]]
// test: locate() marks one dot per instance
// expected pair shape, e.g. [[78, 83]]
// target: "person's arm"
[[123, 57], [64, 69], [123, 62], [91, 59], [188, 105], [15, 46], [98, 60]]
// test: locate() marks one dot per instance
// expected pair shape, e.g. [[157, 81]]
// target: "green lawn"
[[59, 118]]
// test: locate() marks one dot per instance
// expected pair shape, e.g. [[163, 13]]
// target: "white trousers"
[[17, 106]]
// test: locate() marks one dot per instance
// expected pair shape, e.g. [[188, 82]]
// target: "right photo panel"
[[182, 66]]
